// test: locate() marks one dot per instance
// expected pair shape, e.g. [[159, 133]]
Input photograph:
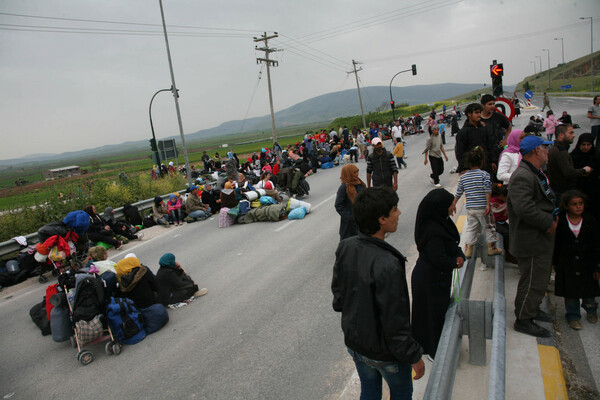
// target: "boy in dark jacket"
[[176, 288], [370, 290]]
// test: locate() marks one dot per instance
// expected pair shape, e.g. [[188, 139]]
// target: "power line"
[[94, 32], [124, 23], [316, 50], [475, 44]]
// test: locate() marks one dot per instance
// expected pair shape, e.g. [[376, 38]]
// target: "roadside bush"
[[98, 193]]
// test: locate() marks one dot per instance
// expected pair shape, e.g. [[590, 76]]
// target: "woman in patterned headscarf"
[[350, 187]]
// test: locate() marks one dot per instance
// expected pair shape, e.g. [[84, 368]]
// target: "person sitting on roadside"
[[160, 212], [176, 287], [99, 231], [231, 183], [121, 228], [132, 215], [174, 208], [265, 182], [138, 283], [98, 257], [210, 198], [196, 210]]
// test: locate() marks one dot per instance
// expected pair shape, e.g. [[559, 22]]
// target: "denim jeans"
[[397, 375], [175, 215], [573, 307], [200, 214]]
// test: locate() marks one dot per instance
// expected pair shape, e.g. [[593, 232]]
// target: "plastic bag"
[[297, 213]]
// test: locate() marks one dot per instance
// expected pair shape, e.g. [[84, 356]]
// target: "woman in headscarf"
[[585, 153], [510, 157], [176, 287], [350, 187], [437, 241], [160, 212]]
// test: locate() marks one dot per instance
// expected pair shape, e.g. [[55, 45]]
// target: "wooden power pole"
[[269, 63], [355, 72]]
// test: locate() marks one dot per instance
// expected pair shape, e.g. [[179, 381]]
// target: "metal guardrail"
[[473, 318], [11, 246]]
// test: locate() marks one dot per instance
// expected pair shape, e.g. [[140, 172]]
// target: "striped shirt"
[[475, 184]]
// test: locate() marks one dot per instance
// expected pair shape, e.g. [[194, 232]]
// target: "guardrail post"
[[478, 320]]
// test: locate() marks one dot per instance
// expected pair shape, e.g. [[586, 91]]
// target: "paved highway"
[[266, 329]]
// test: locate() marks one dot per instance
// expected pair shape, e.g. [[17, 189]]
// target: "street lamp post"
[[591, 52], [562, 45], [548, 50], [155, 156], [414, 71], [176, 97], [540, 58]]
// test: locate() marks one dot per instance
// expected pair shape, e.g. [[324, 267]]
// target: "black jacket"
[[370, 290], [469, 137], [175, 285], [382, 168], [576, 259]]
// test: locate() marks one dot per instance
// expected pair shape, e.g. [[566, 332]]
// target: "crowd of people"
[[541, 197]]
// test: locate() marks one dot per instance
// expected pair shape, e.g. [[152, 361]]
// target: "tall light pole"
[[540, 57], [153, 146], [176, 97], [548, 50], [562, 45], [591, 52]]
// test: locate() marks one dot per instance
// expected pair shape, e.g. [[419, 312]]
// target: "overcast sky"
[[71, 80]]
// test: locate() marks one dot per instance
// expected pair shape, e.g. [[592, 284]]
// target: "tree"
[[526, 86]]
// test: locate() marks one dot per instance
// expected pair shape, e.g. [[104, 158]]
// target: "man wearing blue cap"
[[194, 207], [533, 219]]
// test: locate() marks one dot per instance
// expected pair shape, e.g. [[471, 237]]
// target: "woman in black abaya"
[[439, 254]]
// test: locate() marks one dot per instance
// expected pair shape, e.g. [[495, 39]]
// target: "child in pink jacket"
[[550, 124], [174, 207]]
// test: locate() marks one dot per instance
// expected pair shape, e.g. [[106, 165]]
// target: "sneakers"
[[140, 236], [575, 324], [201, 292], [119, 245], [432, 181], [544, 316], [188, 301], [528, 327], [438, 185], [592, 318], [177, 305]]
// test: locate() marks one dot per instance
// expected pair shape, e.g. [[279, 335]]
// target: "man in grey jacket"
[[533, 218]]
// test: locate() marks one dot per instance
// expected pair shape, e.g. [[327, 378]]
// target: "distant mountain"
[[329, 106], [322, 108]]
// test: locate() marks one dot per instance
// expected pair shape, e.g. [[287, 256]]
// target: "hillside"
[[576, 72], [318, 109]]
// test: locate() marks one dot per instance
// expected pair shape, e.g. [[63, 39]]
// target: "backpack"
[[89, 299], [148, 222], [125, 320]]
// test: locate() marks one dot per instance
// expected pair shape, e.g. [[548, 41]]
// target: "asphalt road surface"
[[266, 329]]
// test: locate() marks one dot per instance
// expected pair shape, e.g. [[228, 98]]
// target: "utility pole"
[[355, 72], [269, 62], [176, 96]]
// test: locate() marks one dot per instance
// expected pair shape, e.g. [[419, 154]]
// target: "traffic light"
[[414, 69], [153, 145], [392, 104], [496, 72]]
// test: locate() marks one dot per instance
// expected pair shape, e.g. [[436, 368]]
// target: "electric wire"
[[124, 23], [252, 97]]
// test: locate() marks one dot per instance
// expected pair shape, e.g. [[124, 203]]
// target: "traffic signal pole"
[[392, 103]]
